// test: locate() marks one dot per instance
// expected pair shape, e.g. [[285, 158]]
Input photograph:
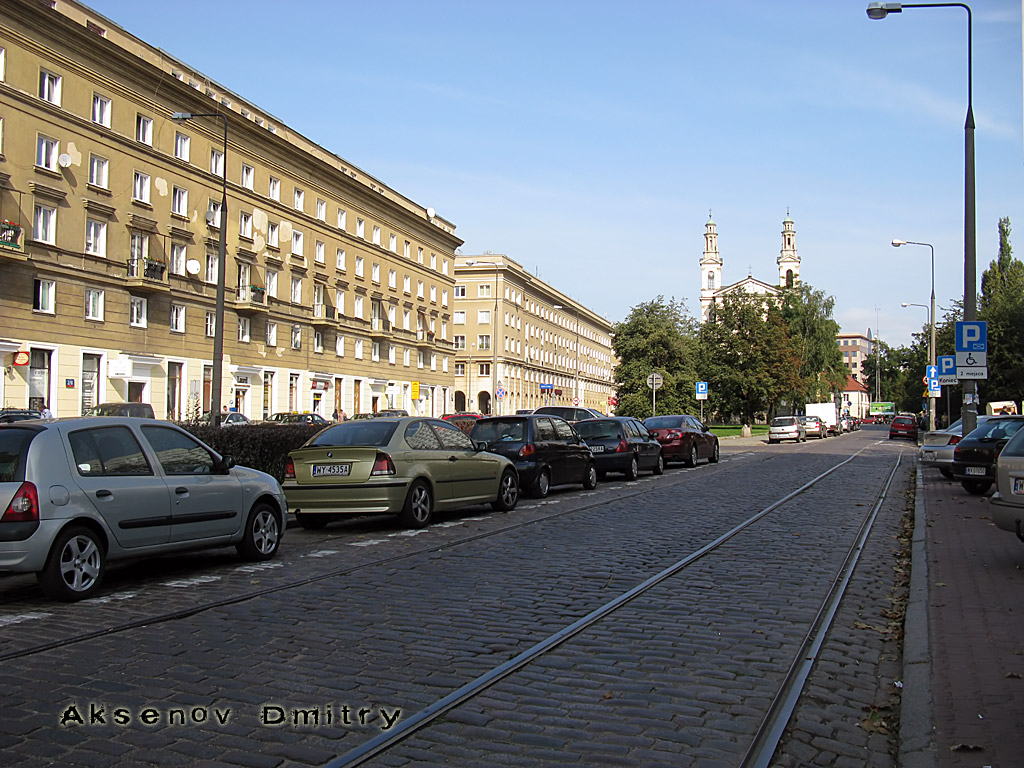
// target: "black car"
[[974, 458], [570, 413], [621, 444], [545, 449], [9, 415]]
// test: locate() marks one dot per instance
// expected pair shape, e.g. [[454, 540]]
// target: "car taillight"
[[673, 434], [24, 507], [622, 447], [955, 439], [527, 450], [383, 465], [289, 469]]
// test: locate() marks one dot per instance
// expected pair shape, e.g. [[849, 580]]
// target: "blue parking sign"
[[972, 336], [702, 387]]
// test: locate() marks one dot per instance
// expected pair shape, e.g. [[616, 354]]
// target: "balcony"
[[251, 298], [323, 315], [147, 274], [424, 339], [380, 327]]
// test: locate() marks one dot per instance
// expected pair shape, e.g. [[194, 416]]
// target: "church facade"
[[712, 286]]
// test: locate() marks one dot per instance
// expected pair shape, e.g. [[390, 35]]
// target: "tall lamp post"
[[880, 11], [495, 384], [931, 325], [218, 336], [576, 376]]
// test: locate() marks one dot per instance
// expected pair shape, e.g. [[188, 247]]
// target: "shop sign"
[[21, 358]]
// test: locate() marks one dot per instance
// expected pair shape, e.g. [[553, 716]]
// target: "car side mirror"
[[226, 463]]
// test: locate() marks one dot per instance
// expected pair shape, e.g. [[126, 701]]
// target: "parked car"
[[683, 438], [300, 418], [974, 457], [1006, 506], [903, 426], [229, 419], [545, 450], [814, 427], [80, 492], [621, 444], [786, 428], [140, 410], [570, 413], [938, 445], [9, 415], [408, 466]]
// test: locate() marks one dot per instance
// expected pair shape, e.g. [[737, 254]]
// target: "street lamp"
[[218, 336], [880, 11], [494, 331], [931, 324], [576, 376]]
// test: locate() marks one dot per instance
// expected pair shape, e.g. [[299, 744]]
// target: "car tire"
[[419, 506], [976, 487], [713, 458], [75, 566], [262, 535], [770, 441], [633, 470], [946, 472], [691, 459], [590, 481], [659, 465], [542, 485], [312, 522], [508, 492]]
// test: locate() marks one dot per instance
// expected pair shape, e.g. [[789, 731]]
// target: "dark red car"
[[683, 438], [903, 426]]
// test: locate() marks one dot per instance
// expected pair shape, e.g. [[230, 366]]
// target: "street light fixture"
[[880, 11], [495, 384], [931, 324], [218, 336]]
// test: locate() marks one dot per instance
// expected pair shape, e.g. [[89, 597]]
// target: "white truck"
[[828, 413]]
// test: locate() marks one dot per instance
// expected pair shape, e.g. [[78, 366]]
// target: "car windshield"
[[664, 422], [595, 429], [363, 433], [499, 431], [783, 421]]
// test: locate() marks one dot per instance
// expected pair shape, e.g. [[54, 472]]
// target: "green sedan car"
[[408, 467]]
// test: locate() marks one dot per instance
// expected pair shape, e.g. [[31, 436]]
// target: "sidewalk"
[[963, 655]]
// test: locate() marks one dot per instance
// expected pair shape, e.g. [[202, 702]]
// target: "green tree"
[[656, 337], [1001, 305], [812, 334]]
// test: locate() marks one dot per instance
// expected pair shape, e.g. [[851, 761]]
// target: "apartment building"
[[855, 348], [338, 289], [521, 343]]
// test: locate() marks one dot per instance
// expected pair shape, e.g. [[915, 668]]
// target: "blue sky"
[[587, 140]]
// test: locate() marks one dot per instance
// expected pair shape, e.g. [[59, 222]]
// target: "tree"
[[812, 333], [1001, 305], [656, 337]]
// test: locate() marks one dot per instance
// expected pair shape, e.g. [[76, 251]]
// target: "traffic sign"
[[655, 380], [702, 390], [972, 350], [575, 401], [499, 392], [947, 369], [545, 386]]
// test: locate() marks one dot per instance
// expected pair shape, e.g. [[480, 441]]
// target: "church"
[[712, 287]]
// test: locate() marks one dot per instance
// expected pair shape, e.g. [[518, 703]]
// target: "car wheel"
[[770, 441], [659, 466], [508, 492], [633, 470], [312, 522], [262, 534], [691, 460], [419, 506], [977, 487], [590, 481], [75, 565], [713, 458], [946, 473], [542, 485]]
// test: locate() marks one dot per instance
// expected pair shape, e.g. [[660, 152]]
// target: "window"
[[101, 110], [271, 283], [318, 341], [217, 162], [46, 153], [296, 294], [392, 279], [3, 61], [212, 261], [245, 225], [460, 342], [140, 187], [139, 248], [137, 311], [321, 210], [296, 337], [271, 334], [179, 201], [339, 301], [485, 369], [244, 327], [393, 244], [359, 266], [339, 345], [299, 199], [419, 288], [211, 325], [358, 349], [44, 224], [177, 318], [296, 242], [274, 190], [483, 316], [144, 129], [484, 291], [98, 171], [178, 259], [361, 229], [182, 146], [96, 237], [342, 219], [358, 307], [375, 273], [406, 356], [272, 235], [1, 130], [460, 292], [93, 304], [433, 294], [43, 295], [375, 351], [376, 235], [320, 256], [433, 261], [213, 213], [49, 87], [444, 298], [459, 317], [419, 255], [460, 369], [483, 341], [248, 176], [444, 266], [407, 284]]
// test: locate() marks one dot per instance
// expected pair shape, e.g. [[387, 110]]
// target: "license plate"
[[929, 455], [331, 470], [974, 471], [597, 448], [1018, 486]]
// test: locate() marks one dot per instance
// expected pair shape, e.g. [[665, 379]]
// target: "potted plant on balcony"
[[258, 293]]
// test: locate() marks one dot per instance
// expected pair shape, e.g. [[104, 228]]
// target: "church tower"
[[789, 261], [710, 269]]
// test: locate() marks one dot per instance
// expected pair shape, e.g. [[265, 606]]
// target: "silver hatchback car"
[[77, 493]]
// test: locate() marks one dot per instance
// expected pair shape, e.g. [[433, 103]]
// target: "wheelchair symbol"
[[969, 360]]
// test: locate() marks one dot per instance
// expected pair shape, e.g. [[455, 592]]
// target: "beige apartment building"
[[518, 337], [339, 290], [855, 347]]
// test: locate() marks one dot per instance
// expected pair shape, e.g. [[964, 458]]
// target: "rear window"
[[903, 420], [783, 421], [371, 433], [499, 430], [665, 422], [997, 429], [13, 450], [594, 429]]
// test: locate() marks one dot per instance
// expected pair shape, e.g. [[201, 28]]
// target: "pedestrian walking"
[[46, 413]]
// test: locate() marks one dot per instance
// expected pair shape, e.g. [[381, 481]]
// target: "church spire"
[[710, 268], [789, 260]]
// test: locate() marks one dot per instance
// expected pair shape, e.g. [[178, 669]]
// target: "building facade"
[[338, 289], [855, 347], [519, 337]]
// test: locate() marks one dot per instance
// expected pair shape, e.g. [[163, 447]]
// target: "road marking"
[[322, 553], [407, 534], [367, 542], [194, 581], [112, 598], [18, 618], [258, 567]]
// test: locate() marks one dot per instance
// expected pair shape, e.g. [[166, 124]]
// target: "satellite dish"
[[64, 160], [430, 213], [192, 266]]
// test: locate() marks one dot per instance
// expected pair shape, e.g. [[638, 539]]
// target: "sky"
[[589, 140]]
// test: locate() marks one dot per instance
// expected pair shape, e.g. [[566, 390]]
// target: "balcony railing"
[[146, 268], [380, 324], [253, 294]]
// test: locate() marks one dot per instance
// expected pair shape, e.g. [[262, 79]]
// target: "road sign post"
[[654, 381], [702, 395]]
